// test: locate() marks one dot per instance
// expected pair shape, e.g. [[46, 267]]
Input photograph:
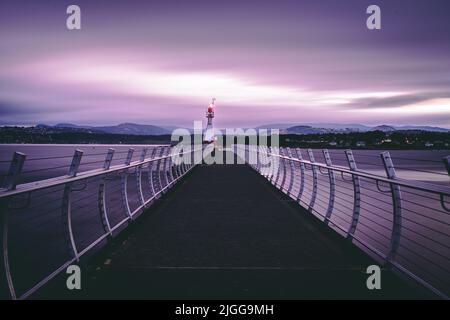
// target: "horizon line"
[[311, 124]]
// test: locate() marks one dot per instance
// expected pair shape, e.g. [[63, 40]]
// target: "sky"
[[161, 62]]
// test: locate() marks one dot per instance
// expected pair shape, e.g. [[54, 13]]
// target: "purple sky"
[[160, 62]]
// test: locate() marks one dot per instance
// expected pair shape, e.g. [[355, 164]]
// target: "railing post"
[[447, 163], [298, 152], [284, 161], [255, 165], [129, 156], [260, 151], [108, 159], [149, 173], [258, 161], [270, 167], [356, 194], [5, 255], [396, 204], [102, 207], [75, 164], [170, 166], [183, 164], [102, 194], [249, 155], [442, 197], [15, 169], [174, 165], [332, 179], [277, 178], [143, 154], [67, 220], [166, 167], [314, 172], [253, 157], [139, 177], [158, 169], [275, 172], [179, 166], [67, 205], [278, 161], [292, 172], [125, 184], [193, 159], [264, 171]]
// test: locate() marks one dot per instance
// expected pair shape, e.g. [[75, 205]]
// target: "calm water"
[[46, 161]]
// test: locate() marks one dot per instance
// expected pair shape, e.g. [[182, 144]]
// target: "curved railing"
[[402, 223], [49, 224]]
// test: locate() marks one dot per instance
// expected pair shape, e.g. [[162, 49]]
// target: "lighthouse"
[[209, 136]]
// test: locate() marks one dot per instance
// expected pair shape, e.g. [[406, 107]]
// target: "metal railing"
[[49, 224], [402, 223]]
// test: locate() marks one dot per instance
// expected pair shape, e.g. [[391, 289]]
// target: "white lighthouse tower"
[[209, 136]]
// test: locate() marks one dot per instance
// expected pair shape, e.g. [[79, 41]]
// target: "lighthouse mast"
[[209, 136]]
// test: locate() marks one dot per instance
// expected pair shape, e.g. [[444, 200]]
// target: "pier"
[[152, 228]]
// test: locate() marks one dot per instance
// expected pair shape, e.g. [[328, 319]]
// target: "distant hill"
[[135, 129], [384, 128], [285, 128], [304, 130], [69, 125], [344, 127], [123, 128], [340, 126], [423, 128], [330, 126], [275, 126]]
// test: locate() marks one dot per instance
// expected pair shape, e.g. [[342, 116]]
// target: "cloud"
[[396, 101]]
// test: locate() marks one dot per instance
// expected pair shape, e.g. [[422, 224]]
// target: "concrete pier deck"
[[225, 233]]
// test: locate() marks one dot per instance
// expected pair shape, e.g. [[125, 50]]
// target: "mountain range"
[[285, 128], [334, 126], [123, 128], [318, 128]]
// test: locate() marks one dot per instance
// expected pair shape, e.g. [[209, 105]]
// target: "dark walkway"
[[225, 232]]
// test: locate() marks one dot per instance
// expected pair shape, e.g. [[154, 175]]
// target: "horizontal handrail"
[[61, 180], [417, 185]]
